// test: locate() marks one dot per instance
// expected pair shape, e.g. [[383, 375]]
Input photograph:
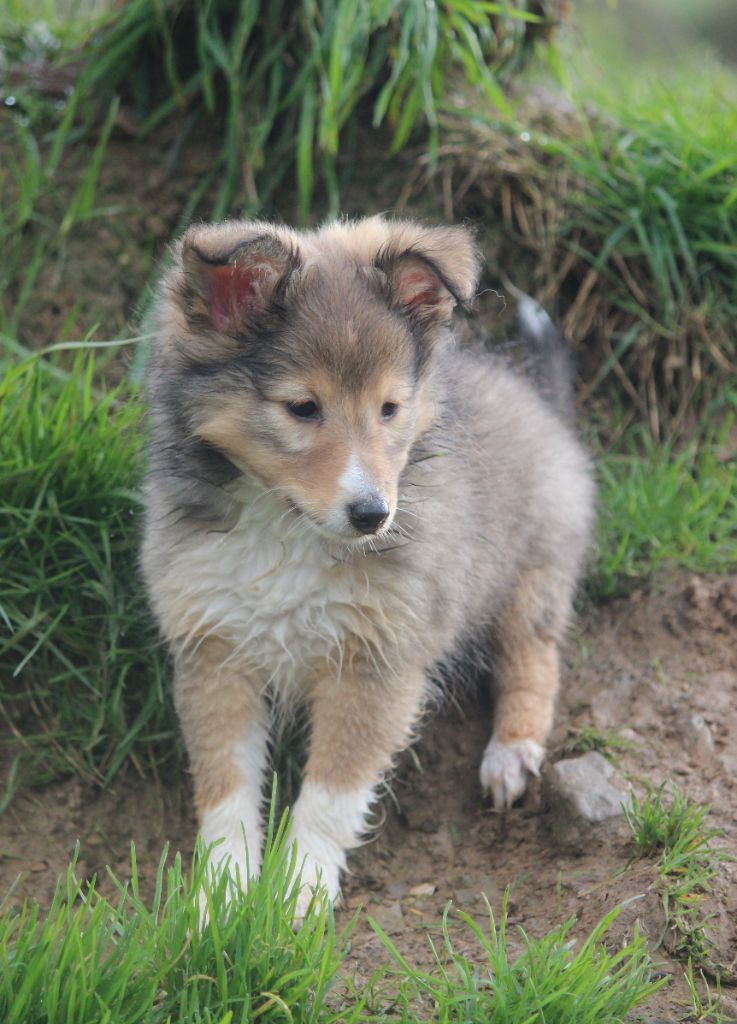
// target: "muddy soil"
[[642, 667]]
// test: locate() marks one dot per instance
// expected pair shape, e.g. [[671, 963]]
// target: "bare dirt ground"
[[643, 666]]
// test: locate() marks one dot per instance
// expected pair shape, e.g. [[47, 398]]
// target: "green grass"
[[706, 998], [554, 979], [656, 187], [662, 506], [285, 81], [649, 212], [81, 676], [129, 959], [38, 209], [586, 738], [676, 830], [622, 193]]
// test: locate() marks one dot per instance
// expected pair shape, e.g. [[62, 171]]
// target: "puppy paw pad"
[[505, 767]]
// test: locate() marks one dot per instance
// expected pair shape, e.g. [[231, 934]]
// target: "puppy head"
[[308, 359]]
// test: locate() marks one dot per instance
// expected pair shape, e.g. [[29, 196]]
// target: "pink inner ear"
[[418, 287], [237, 292]]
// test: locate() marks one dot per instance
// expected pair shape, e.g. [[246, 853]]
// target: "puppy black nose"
[[368, 514]]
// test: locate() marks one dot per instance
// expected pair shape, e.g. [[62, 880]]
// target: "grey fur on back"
[[505, 492]]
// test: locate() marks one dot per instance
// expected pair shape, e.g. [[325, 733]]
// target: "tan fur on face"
[[306, 461]]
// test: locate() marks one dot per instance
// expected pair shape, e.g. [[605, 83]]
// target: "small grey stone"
[[397, 890], [423, 889], [388, 916], [584, 804], [697, 737]]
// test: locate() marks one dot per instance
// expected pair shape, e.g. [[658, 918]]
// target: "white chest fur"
[[271, 588]]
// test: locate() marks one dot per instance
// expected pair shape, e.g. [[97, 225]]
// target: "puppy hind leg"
[[225, 726], [527, 681]]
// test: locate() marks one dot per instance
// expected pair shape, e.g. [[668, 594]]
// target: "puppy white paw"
[[318, 880], [325, 824], [505, 766]]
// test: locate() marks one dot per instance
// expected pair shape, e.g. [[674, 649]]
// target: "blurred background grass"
[[594, 144]]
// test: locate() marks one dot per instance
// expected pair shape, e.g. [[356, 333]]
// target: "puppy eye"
[[304, 410], [389, 410]]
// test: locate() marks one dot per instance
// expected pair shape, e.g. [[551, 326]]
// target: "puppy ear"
[[230, 282], [436, 271], [418, 289]]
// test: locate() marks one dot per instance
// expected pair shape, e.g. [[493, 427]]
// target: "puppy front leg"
[[225, 726], [527, 681], [358, 724], [522, 721]]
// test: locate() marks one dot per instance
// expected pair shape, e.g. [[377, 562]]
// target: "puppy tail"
[[549, 363]]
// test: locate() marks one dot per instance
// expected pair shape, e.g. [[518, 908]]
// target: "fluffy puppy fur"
[[340, 502]]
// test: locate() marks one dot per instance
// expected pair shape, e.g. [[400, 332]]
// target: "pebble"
[[584, 804], [397, 890], [388, 916], [697, 737], [423, 889]]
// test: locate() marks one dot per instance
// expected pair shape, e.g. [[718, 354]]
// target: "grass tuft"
[[157, 960], [620, 200], [660, 505], [688, 863], [706, 1004], [81, 678], [555, 978], [130, 959], [285, 81]]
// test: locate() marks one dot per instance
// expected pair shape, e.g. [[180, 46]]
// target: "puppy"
[[340, 502]]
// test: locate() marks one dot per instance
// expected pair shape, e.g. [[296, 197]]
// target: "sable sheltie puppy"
[[340, 502]]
